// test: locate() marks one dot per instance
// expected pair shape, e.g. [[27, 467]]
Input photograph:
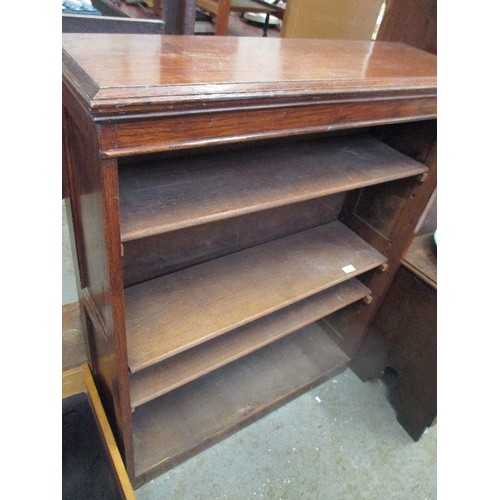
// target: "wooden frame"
[[77, 380], [189, 97]]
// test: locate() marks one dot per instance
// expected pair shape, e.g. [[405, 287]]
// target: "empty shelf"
[[182, 192], [173, 427], [185, 367], [171, 314]]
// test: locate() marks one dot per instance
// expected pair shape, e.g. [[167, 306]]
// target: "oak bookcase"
[[235, 224]]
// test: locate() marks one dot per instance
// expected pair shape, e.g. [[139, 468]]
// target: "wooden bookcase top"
[[117, 75]]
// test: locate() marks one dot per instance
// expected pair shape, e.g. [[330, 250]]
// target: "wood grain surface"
[[173, 313], [117, 74], [183, 192], [129, 95], [421, 259], [149, 258], [163, 377], [177, 425]]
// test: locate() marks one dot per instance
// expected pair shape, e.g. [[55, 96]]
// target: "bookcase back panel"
[[155, 256]]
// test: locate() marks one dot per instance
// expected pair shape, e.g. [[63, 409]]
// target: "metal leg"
[[266, 25]]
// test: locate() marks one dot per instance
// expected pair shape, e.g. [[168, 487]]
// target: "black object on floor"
[[87, 472]]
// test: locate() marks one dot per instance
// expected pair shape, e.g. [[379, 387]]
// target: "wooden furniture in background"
[[76, 383], [222, 8], [413, 22], [332, 19], [236, 224], [179, 16], [401, 344]]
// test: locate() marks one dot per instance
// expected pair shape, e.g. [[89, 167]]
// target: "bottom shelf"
[[181, 423]]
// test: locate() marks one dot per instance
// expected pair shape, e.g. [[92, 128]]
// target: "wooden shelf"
[[173, 427], [204, 197], [421, 259], [183, 192], [185, 367], [176, 312]]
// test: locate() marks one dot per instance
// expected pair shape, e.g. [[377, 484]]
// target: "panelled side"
[[93, 187]]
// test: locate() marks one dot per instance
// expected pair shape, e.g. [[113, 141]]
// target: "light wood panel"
[[74, 352], [173, 313], [192, 364], [177, 425], [183, 192], [332, 19]]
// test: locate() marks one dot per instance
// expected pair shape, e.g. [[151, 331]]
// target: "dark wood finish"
[[222, 8], [413, 354], [128, 95], [185, 367], [166, 82], [413, 22], [191, 191], [188, 16], [336, 86], [95, 232], [403, 340], [428, 220], [178, 15], [180, 132], [400, 345], [175, 426], [419, 142], [184, 309], [421, 259], [152, 257]]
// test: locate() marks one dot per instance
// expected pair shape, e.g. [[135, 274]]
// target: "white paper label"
[[348, 269]]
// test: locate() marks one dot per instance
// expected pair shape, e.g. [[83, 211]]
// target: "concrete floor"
[[339, 441], [346, 445]]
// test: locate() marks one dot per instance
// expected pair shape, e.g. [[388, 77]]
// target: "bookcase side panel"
[[95, 223]]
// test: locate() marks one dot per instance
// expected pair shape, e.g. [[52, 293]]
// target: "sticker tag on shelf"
[[348, 269]]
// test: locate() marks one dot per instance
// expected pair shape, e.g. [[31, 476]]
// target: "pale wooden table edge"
[[79, 379]]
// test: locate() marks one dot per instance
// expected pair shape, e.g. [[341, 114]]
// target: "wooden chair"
[[331, 19], [222, 8]]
